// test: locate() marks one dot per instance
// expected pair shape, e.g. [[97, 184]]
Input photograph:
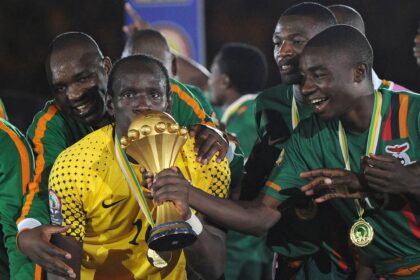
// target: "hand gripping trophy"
[[154, 140]]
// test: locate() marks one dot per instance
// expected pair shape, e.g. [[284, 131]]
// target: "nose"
[[285, 49], [74, 93], [141, 102], [307, 86]]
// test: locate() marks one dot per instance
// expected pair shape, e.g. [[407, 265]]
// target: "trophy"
[[154, 140]]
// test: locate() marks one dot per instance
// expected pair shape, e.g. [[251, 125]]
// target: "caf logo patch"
[[399, 152], [55, 208]]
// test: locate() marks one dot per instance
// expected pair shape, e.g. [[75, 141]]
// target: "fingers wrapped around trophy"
[[154, 140]]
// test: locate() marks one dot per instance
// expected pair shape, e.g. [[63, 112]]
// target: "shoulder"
[[10, 135], [277, 94], [91, 149], [49, 115]]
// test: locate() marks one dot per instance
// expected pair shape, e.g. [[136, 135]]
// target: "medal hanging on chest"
[[361, 232]]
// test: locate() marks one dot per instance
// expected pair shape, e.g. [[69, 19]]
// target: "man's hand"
[[147, 177], [138, 23], [387, 174], [170, 185], [35, 243], [339, 183], [208, 142]]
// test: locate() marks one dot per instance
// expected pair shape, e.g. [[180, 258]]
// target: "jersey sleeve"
[[186, 109], [16, 167], [48, 140], [286, 175], [65, 197]]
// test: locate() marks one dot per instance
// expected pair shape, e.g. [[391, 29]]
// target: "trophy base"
[[171, 236]]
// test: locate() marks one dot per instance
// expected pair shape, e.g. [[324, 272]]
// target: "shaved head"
[[72, 41], [151, 42], [343, 41], [347, 15], [314, 11]]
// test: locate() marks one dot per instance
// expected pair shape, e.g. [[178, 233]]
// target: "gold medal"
[[158, 261], [361, 233]]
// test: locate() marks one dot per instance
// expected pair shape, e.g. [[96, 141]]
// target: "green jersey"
[[277, 114], [199, 95], [16, 167], [239, 118], [52, 131], [395, 248]]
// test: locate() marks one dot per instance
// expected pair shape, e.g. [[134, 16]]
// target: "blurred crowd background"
[[28, 26]]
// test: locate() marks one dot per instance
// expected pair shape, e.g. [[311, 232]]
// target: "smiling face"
[[289, 38], [136, 89], [328, 84], [78, 79]]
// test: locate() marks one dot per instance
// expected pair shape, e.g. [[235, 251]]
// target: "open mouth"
[[287, 68], [84, 109], [319, 103]]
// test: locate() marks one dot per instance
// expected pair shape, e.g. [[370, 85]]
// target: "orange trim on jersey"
[[190, 102], [403, 116], [40, 161], [406, 271], [273, 185], [23, 153], [38, 272]]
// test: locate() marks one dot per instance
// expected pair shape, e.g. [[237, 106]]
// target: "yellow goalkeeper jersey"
[[88, 191]]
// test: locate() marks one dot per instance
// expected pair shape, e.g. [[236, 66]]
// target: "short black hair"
[[68, 40], [245, 65], [345, 39], [144, 61], [312, 10], [348, 15], [148, 38]]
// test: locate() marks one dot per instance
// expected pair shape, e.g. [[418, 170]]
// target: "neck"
[[231, 97], [358, 118], [107, 119], [297, 94]]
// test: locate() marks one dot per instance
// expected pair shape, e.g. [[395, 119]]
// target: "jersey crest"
[[399, 152]]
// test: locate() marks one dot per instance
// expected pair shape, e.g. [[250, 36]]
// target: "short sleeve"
[[286, 175], [65, 199]]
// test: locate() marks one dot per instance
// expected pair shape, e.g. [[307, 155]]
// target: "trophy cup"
[[154, 140]]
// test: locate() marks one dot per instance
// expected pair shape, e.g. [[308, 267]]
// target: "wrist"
[[28, 223], [18, 235], [195, 223]]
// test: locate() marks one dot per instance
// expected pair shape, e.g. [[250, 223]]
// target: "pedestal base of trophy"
[[171, 236]]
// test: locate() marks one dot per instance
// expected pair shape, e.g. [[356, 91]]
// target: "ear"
[[109, 104], [168, 108], [225, 81], [174, 65], [360, 72], [107, 64]]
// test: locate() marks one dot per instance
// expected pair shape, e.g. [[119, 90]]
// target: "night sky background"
[[28, 26]]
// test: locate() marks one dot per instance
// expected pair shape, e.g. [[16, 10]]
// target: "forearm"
[[247, 217], [207, 255]]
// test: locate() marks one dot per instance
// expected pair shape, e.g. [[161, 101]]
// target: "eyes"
[[130, 94], [296, 41]]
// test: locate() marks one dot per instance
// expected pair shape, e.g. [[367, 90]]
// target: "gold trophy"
[[154, 140]]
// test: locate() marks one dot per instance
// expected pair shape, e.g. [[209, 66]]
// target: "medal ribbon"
[[372, 143], [132, 181], [295, 113]]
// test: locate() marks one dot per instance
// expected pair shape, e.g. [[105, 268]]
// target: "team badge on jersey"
[[55, 208], [399, 152]]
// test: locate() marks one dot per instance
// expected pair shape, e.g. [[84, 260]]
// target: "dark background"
[[28, 26]]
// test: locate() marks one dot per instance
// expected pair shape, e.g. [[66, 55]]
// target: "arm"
[[249, 217], [207, 255], [75, 248], [48, 140], [16, 168]]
